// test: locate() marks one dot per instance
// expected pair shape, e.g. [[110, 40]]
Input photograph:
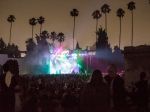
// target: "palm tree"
[[11, 19], [131, 7], [96, 15], [32, 22], [41, 20], [120, 14], [30, 44], [74, 13], [53, 36], [105, 9], [61, 37]]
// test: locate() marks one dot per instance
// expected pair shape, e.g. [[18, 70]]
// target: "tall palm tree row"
[[120, 14], [74, 13], [32, 22], [96, 15], [41, 20], [105, 9], [11, 19], [131, 7]]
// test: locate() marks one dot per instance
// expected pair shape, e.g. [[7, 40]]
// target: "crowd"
[[71, 93]]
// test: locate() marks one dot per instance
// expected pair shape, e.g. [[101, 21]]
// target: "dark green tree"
[[103, 50], [61, 37], [2, 46], [30, 45], [77, 46], [32, 22], [53, 36], [74, 13], [11, 19], [13, 51], [118, 59], [44, 44], [131, 7], [120, 14]]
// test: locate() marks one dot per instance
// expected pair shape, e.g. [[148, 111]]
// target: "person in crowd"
[[9, 85], [69, 101], [118, 92], [31, 103], [55, 106], [142, 98], [95, 96], [44, 104]]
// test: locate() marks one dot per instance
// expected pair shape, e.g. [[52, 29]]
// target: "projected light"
[[62, 62]]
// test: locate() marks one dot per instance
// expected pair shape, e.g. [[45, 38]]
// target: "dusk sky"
[[58, 19]]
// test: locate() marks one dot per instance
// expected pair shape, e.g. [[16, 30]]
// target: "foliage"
[[104, 51], [131, 6], [12, 50], [32, 21], [60, 37], [105, 9], [120, 12], [3, 47], [96, 14], [53, 36], [11, 18], [74, 12], [78, 47]]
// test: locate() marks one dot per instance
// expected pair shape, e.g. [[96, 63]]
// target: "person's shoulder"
[[119, 79]]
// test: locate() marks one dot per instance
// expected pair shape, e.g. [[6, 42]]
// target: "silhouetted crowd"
[[71, 93]]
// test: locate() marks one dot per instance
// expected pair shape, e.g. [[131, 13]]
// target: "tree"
[[61, 37], [2, 46], [118, 59], [103, 50], [13, 51], [96, 15], [74, 13], [44, 44], [77, 46], [105, 9], [32, 22], [131, 7], [53, 36], [11, 19], [120, 14], [30, 45], [41, 20]]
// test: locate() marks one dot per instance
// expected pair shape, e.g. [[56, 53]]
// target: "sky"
[[58, 19]]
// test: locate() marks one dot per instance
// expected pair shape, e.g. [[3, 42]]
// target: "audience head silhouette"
[[142, 75], [96, 77], [112, 70]]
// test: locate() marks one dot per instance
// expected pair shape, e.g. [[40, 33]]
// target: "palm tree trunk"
[[40, 29], [10, 33], [106, 22], [120, 34], [32, 32], [96, 29], [106, 33], [73, 32], [95, 43], [132, 30]]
